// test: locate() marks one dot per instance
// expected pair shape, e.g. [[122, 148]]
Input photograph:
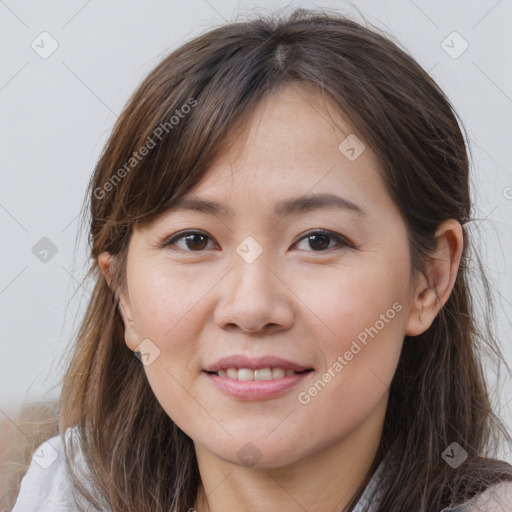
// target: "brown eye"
[[196, 241], [193, 241], [320, 240]]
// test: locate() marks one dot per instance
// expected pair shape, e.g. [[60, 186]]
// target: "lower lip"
[[257, 389]]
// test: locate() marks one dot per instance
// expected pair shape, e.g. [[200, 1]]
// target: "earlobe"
[[131, 337], [123, 304], [433, 290]]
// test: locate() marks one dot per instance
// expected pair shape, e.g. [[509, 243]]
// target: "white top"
[[47, 486]]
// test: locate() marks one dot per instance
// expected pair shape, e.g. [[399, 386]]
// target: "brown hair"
[[140, 461]]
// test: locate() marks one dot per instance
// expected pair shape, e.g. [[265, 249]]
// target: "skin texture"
[[295, 301]]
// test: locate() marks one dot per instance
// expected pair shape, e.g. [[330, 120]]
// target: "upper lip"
[[243, 361]]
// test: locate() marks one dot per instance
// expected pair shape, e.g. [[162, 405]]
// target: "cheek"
[[167, 311], [364, 318], [165, 305], [360, 361], [355, 299]]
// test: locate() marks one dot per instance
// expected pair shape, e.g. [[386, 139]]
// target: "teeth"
[[277, 373], [259, 374], [262, 374], [245, 374]]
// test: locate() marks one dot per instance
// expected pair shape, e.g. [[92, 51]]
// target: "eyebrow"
[[292, 206]]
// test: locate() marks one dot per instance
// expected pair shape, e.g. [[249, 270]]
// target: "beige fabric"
[[497, 498]]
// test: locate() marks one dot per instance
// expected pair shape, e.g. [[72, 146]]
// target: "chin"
[[258, 454]]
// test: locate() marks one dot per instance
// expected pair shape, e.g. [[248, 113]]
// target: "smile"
[[247, 374]]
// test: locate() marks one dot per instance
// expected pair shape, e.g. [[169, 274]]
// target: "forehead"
[[294, 144]]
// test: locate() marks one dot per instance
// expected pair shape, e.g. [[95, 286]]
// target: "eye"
[[320, 240], [194, 241]]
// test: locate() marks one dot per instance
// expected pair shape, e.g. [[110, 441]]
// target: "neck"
[[325, 481]]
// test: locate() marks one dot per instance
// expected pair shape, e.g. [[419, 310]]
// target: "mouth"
[[256, 378], [258, 374]]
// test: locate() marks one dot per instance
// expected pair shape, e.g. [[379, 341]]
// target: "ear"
[[131, 337], [433, 290]]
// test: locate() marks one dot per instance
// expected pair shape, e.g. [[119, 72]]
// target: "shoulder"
[[497, 498], [47, 485]]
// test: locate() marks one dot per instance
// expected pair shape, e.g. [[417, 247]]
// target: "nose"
[[255, 298]]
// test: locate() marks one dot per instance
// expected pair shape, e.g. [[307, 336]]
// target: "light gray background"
[[56, 114]]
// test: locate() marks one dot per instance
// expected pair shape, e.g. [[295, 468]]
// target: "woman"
[[279, 234]]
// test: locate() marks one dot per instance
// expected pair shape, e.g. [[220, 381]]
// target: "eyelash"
[[169, 242]]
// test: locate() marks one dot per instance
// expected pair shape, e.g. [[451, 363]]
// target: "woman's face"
[[304, 265]]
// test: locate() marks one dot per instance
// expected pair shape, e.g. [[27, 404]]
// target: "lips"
[[257, 389], [256, 378]]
